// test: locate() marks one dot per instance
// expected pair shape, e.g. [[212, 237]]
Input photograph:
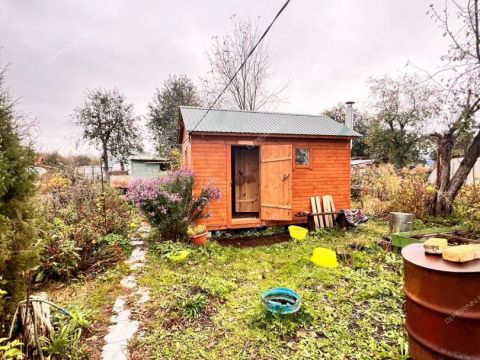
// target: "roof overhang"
[[235, 122], [262, 136]]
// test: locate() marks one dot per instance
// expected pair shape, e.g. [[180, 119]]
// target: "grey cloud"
[[325, 49]]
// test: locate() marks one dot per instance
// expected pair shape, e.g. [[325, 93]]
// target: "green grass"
[[209, 306], [92, 294]]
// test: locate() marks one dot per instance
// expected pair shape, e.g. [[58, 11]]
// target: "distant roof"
[[361, 162], [256, 122], [147, 157]]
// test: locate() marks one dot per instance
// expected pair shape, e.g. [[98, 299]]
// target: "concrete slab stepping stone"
[[122, 327]]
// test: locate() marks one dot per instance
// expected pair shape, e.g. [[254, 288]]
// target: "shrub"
[[467, 206], [175, 157], [116, 240], [384, 190], [61, 255], [168, 202], [80, 236], [18, 217]]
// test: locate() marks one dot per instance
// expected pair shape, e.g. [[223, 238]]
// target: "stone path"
[[122, 326]]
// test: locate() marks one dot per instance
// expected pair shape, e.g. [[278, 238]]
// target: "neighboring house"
[[145, 166], [140, 167], [472, 179], [267, 165], [360, 165]]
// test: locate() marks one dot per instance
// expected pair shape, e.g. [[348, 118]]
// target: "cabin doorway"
[[245, 182]]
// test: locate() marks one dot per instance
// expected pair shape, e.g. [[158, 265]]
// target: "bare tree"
[[459, 83], [249, 89]]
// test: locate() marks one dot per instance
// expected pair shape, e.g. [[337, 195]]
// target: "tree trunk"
[[466, 166], [105, 162], [447, 193], [445, 147]]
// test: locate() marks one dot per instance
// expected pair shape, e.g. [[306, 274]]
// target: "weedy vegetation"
[[89, 301], [86, 229]]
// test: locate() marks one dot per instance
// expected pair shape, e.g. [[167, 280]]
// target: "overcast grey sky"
[[56, 49]]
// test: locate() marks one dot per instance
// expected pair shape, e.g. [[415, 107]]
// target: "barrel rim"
[[415, 254]]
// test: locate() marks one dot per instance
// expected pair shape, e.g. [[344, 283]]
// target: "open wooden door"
[[246, 180], [276, 182]]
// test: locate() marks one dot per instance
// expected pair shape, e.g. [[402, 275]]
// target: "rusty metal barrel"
[[442, 306]]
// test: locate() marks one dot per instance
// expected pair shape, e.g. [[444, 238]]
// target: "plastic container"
[[281, 300], [324, 257], [297, 232], [178, 256], [400, 222]]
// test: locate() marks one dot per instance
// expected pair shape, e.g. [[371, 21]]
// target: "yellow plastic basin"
[[178, 256], [297, 232], [324, 257]]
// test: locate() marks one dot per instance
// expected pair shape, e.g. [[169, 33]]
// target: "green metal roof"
[[256, 122]]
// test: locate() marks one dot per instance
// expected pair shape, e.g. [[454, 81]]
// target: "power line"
[[242, 65]]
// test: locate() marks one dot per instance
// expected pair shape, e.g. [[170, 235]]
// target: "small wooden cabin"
[[267, 165]]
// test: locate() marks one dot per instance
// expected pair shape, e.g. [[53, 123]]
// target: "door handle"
[[285, 177]]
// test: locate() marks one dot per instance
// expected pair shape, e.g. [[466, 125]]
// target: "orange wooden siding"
[[328, 172], [208, 163]]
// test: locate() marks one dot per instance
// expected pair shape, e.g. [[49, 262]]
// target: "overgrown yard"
[[93, 298], [209, 305]]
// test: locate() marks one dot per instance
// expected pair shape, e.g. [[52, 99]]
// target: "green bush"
[[80, 236], [18, 224], [116, 240]]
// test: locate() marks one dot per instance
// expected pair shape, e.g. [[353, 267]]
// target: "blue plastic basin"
[[281, 300]]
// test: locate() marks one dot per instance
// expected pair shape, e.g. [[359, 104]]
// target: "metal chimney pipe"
[[349, 114]]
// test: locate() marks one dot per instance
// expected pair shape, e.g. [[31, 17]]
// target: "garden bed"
[[456, 235], [209, 305]]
